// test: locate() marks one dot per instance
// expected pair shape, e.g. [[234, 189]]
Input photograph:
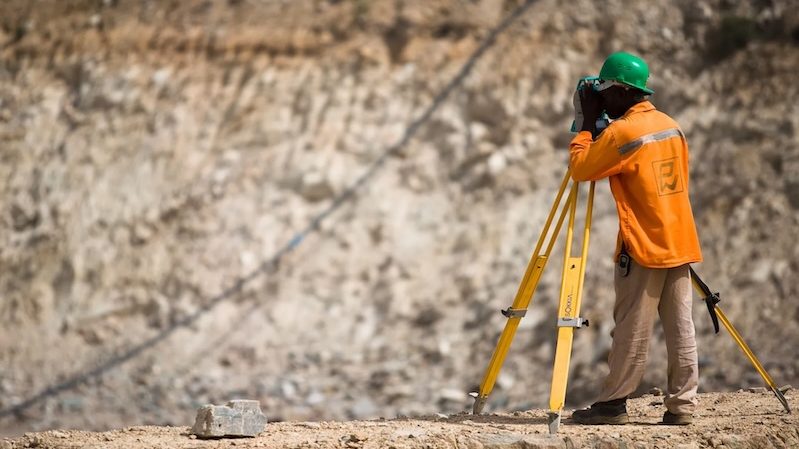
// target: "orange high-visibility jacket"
[[645, 156]]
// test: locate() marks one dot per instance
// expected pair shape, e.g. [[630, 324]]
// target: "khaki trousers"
[[639, 295]]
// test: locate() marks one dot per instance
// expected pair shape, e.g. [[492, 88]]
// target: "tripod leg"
[[704, 291], [568, 312], [752, 358], [524, 297]]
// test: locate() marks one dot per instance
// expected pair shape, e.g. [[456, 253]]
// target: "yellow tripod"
[[568, 310], [569, 307], [712, 300]]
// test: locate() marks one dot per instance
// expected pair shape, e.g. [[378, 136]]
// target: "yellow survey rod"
[[524, 296], [712, 299]]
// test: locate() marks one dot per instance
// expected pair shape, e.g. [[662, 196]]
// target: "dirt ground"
[[744, 419]]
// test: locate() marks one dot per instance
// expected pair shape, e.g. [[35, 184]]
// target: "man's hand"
[[591, 105], [578, 111]]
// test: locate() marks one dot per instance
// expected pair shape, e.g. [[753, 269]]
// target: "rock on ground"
[[239, 418]]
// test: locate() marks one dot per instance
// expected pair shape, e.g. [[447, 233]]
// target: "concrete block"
[[239, 418]]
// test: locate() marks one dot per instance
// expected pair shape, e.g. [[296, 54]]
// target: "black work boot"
[[673, 419], [611, 412]]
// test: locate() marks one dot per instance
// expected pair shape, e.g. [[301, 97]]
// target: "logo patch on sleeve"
[[667, 176]]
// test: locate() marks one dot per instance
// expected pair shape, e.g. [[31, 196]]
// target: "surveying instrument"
[[568, 318]]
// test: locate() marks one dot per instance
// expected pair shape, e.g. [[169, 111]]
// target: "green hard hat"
[[627, 69]]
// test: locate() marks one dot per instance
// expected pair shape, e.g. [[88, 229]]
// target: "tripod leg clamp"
[[711, 302], [572, 322], [514, 313], [710, 298]]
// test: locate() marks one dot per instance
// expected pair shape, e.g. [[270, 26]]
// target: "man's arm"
[[590, 159]]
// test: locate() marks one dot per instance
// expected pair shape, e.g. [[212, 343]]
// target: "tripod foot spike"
[[782, 399], [479, 403], [553, 420]]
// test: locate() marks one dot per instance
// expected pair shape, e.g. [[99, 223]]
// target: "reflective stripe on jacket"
[[645, 156]]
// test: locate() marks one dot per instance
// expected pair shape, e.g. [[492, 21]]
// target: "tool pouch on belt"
[[625, 262]]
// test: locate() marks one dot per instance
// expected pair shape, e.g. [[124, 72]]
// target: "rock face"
[[155, 154], [239, 418]]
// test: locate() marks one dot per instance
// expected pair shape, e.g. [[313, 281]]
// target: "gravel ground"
[[745, 419]]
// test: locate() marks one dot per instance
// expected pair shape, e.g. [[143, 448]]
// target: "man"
[[644, 154]]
